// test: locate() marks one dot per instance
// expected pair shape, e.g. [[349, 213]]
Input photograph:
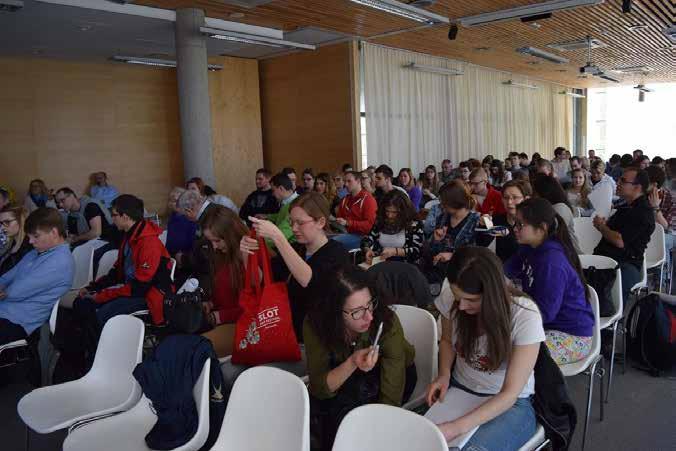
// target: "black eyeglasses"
[[7, 222], [627, 182], [518, 225], [359, 313]]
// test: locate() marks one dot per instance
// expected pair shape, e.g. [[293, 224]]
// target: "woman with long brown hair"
[[223, 229], [407, 181], [579, 191], [324, 185], [12, 223], [493, 336]]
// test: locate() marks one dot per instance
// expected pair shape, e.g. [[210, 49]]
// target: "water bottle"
[[189, 286]]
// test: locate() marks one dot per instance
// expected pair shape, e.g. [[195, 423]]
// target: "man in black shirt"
[[627, 232], [88, 219], [261, 201]]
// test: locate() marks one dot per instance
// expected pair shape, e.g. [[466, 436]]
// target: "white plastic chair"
[[608, 322], [643, 283], [588, 364], [83, 256], [108, 387], [127, 431], [655, 253], [431, 203], [271, 397], [537, 442], [587, 235], [163, 237], [420, 329], [106, 262], [378, 427]]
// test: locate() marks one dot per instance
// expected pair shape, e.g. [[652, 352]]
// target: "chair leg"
[[28, 431], [612, 362], [624, 346], [661, 277], [590, 392], [602, 374]]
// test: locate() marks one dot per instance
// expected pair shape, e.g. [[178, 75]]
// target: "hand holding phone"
[[374, 346]]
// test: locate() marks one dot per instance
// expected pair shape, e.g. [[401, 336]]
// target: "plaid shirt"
[[668, 208]]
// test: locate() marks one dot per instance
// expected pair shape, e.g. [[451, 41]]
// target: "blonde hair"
[[20, 214]]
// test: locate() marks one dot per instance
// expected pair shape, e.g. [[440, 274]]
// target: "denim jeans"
[[103, 312], [631, 275], [348, 240], [506, 432]]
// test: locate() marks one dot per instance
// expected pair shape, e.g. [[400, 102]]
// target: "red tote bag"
[[264, 332]]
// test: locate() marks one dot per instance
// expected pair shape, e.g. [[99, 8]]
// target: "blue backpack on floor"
[[651, 335]]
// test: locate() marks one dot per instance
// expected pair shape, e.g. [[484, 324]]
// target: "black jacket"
[[10, 260], [553, 407], [168, 378], [258, 202], [400, 283]]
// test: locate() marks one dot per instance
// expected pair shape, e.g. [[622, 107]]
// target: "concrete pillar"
[[193, 95]]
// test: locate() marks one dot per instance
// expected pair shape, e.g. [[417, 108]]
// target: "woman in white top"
[[579, 191], [494, 338], [38, 196]]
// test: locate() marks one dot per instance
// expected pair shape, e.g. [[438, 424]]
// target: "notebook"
[[456, 404]]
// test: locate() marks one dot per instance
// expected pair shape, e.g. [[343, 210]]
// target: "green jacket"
[[396, 354], [281, 220]]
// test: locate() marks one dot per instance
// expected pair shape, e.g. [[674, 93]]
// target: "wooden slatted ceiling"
[[606, 22]]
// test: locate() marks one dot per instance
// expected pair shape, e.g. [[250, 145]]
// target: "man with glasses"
[[308, 182], [88, 219], [488, 199], [627, 232], [30, 289]]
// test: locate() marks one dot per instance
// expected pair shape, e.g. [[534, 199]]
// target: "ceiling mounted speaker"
[[626, 6], [453, 32]]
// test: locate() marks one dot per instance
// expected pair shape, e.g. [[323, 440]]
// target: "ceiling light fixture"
[[632, 69], [404, 10], [637, 27], [514, 84], [225, 35], [433, 69], [524, 12], [156, 62], [532, 51], [10, 6]]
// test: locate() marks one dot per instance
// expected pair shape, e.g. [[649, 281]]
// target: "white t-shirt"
[[526, 329]]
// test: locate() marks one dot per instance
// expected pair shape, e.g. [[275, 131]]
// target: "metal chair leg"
[[27, 445], [602, 374], [590, 392], [624, 346], [661, 277], [612, 361]]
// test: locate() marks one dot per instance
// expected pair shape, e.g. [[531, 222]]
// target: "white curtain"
[[416, 118]]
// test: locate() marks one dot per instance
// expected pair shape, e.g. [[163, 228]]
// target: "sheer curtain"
[[416, 118]]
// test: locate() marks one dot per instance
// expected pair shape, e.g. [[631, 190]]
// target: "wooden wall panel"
[[236, 126], [63, 120], [306, 103]]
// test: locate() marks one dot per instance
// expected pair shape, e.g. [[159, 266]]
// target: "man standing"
[[627, 232], [102, 191], [356, 212], [488, 199], [261, 201], [29, 291]]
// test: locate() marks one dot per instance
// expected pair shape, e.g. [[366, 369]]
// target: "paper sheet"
[[456, 404]]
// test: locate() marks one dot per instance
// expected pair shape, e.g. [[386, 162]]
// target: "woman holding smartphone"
[[493, 337], [347, 367]]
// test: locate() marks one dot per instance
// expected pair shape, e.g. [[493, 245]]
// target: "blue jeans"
[[508, 431], [631, 275], [348, 240], [114, 307]]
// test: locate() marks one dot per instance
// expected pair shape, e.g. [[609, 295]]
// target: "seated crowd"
[[494, 240]]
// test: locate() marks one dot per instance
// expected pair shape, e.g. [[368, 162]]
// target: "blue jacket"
[[180, 234], [168, 378], [548, 277], [105, 194], [34, 285]]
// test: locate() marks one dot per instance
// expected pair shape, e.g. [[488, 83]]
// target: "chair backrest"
[[420, 329], [655, 253], [587, 235], [201, 394], [83, 257], [596, 338], [163, 237], [429, 204], [52, 317], [173, 268], [106, 262], [601, 262], [268, 408], [120, 347], [378, 427]]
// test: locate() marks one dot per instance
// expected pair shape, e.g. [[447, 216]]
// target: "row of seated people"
[[544, 257]]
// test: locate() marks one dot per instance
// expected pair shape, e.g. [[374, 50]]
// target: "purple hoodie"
[[548, 277]]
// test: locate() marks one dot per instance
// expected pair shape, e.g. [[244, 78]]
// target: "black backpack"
[[651, 335], [602, 281]]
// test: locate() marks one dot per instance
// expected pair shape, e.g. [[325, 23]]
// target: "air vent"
[[578, 44], [632, 69], [671, 34]]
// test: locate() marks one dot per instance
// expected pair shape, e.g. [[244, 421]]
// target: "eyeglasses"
[[518, 225], [513, 198], [627, 182], [300, 223], [359, 313], [7, 222], [479, 182]]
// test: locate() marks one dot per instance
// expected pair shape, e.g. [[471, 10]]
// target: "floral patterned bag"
[[264, 332]]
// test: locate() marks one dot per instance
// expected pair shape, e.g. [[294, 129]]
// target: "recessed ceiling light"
[[482, 49], [84, 27], [533, 63], [581, 76], [562, 70], [236, 15]]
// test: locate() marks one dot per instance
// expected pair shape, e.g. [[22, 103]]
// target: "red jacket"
[[151, 271], [359, 211], [492, 203]]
